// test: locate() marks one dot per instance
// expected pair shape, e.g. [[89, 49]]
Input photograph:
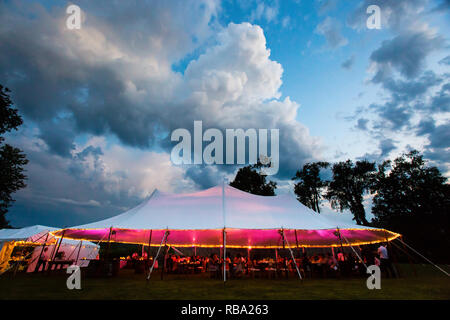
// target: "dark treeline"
[[408, 196], [12, 159]]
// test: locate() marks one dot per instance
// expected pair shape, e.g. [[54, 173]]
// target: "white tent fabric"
[[193, 217], [204, 210], [37, 234]]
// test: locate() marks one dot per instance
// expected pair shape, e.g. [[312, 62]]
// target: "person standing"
[[385, 262]]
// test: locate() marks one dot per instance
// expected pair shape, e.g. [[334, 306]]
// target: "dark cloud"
[[95, 75], [326, 6], [405, 53], [445, 61], [440, 137], [409, 97], [404, 91], [60, 192], [204, 176], [330, 28], [59, 135], [441, 101], [438, 148], [347, 64], [393, 115], [425, 126], [112, 81], [443, 6], [386, 146], [397, 15], [362, 124], [411, 91]]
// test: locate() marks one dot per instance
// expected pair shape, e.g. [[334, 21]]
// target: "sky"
[[99, 103]]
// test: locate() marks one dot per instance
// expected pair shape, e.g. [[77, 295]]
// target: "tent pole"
[[224, 235], [78, 254], [355, 252], [296, 241], [149, 243], [165, 259], [340, 241], [156, 257], [292, 254], [40, 255], [76, 247], [224, 255], [276, 261], [59, 244], [107, 245], [248, 260]]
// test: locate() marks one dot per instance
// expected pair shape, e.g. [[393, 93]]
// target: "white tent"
[[36, 236], [199, 219]]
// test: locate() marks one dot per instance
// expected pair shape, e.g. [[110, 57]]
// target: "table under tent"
[[224, 217], [26, 247]]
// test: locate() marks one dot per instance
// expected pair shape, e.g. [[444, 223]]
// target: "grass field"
[[429, 284]]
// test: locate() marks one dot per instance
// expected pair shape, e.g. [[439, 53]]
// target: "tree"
[[250, 180], [410, 188], [413, 199], [348, 185], [309, 188], [12, 159]]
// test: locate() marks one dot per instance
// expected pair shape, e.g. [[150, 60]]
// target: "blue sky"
[[99, 102]]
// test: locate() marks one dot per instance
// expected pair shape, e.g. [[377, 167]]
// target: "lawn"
[[428, 284]]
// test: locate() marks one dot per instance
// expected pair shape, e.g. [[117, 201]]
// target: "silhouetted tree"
[[12, 159], [249, 179], [413, 199], [409, 188], [349, 183], [309, 188]]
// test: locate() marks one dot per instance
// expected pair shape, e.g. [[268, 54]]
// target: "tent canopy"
[[198, 219], [34, 234]]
